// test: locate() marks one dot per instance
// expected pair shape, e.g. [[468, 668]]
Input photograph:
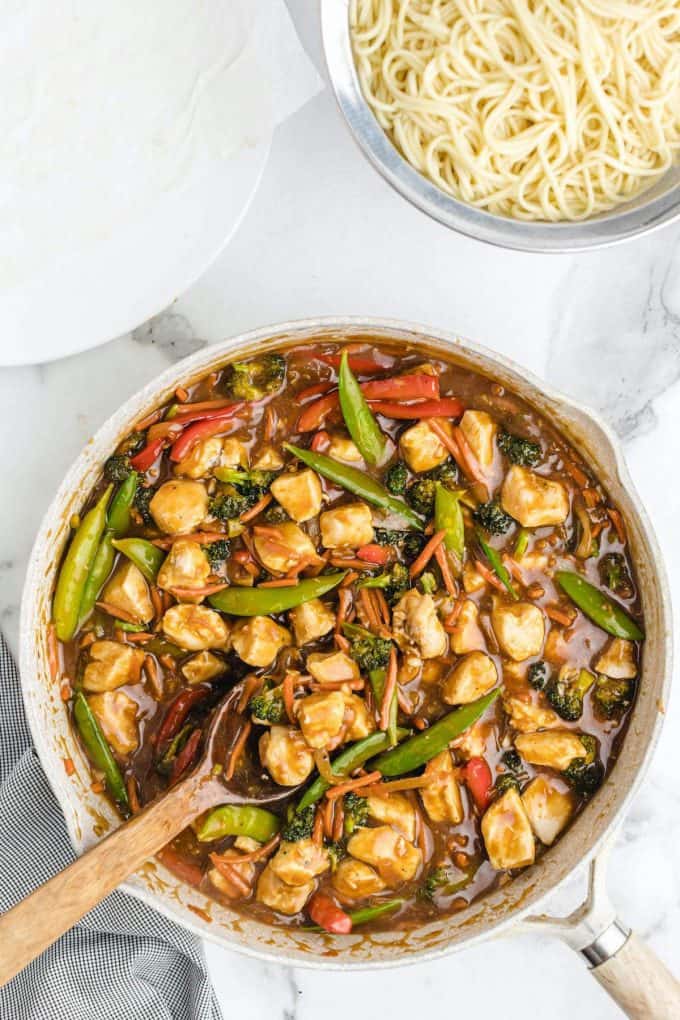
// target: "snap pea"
[[355, 481], [359, 419], [238, 820], [377, 678], [348, 760], [145, 555], [521, 543], [598, 607], [365, 914], [420, 748], [76, 568], [448, 517], [263, 601], [98, 749], [117, 523], [497, 566]]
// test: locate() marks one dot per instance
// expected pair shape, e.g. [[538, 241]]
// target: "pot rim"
[[151, 395]]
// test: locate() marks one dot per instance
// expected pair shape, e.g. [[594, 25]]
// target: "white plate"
[[166, 173]]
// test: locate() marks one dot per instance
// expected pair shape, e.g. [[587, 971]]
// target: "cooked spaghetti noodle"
[[533, 109]]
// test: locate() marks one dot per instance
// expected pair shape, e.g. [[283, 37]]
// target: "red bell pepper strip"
[[185, 757], [328, 915], [374, 553], [399, 387], [447, 407], [314, 391], [359, 362], [180, 866], [143, 460], [228, 408], [177, 712], [199, 431], [477, 777]]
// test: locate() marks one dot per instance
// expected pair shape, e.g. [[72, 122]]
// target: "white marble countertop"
[[326, 235]]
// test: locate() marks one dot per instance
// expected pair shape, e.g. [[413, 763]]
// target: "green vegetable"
[[421, 494], [131, 628], [117, 468], [145, 555], [254, 379], [97, 748], [356, 811], [117, 523], [427, 583], [394, 583], [396, 478], [505, 782], [355, 481], [586, 774], [614, 575], [493, 518], [359, 419], [268, 707], [538, 675], [143, 497], [365, 914], [512, 760], [518, 449], [409, 543], [602, 610], [377, 678], [246, 481], [448, 517], [521, 543], [612, 696], [76, 568], [336, 852], [497, 566], [300, 825], [237, 601], [118, 519], [367, 650], [566, 692], [418, 750], [217, 552], [238, 820], [175, 746], [230, 503], [348, 760], [132, 444]]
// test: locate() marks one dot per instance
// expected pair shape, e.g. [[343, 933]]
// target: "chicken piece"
[[285, 755], [618, 660], [330, 667], [298, 863], [556, 649], [299, 494], [360, 722], [472, 743], [311, 620], [519, 628], [234, 453], [507, 833], [395, 859], [472, 579], [195, 628], [342, 448], [421, 449], [268, 459], [548, 808], [244, 870], [532, 500], [202, 667], [322, 719], [354, 880], [259, 639], [201, 459], [285, 899], [441, 799], [479, 429], [284, 549], [179, 506], [527, 717], [555, 749], [415, 621], [471, 677], [349, 526], [111, 665], [128, 591], [394, 809], [467, 635], [185, 566], [116, 713]]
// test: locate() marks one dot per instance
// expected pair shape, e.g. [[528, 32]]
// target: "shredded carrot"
[[317, 831], [133, 638], [120, 614], [250, 685], [429, 528], [559, 615], [421, 830], [280, 582], [156, 602], [369, 609], [52, 651], [381, 606], [349, 579], [227, 870], [288, 692], [445, 439], [443, 561], [470, 462], [257, 509], [98, 786], [69, 766], [342, 642], [488, 575], [513, 567], [591, 497], [328, 818], [167, 661], [269, 423], [321, 439], [450, 620], [181, 394], [86, 640], [241, 556], [413, 783], [237, 750], [151, 674], [353, 784], [338, 821], [344, 602], [65, 689], [617, 520], [404, 703], [420, 724], [422, 560], [133, 795], [354, 564], [150, 419], [575, 472], [388, 690]]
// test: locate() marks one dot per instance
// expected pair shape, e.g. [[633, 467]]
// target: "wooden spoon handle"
[[34, 924]]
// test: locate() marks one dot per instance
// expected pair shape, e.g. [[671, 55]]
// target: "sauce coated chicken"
[[426, 594]]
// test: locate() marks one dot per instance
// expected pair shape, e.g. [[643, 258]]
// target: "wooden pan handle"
[[640, 983], [34, 924]]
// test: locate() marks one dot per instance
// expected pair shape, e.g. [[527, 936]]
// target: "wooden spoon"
[[34, 924]]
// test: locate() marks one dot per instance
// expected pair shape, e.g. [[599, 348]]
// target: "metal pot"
[[593, 930]]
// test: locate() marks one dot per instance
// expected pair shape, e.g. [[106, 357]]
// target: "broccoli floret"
[[217, 552], [518, 449], [446, 473], [356, 811], [275, 514], [370, 652], [268, 707], [435, 880], [612, 696], [409, 543], [252, 380], [516, 773], [300, 825], [538, 675], [512, 760], [117, 468], [243, 489], [247, 481], [420, 496], [567, 691], [396, 478], [132, 444], [399, 583], [229, 504], [493, 518], [428, 583], [506, 781], [143, 497], [615, 576], [586, 774], [336, 852]]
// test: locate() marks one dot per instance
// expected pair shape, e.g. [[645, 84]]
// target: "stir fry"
[[425, 594]]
